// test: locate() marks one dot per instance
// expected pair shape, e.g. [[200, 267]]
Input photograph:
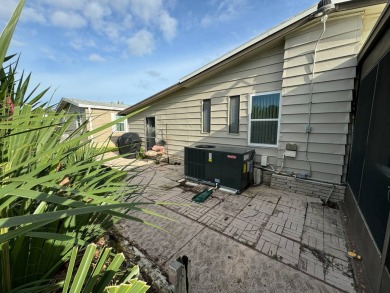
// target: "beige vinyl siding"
[[284, 65], [178, 118], [335, 71], [100, 118]]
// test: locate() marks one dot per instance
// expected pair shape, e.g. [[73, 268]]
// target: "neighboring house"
[[95, 114], [295, 85]]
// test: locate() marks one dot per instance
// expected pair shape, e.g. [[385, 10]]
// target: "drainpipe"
[[90, 122]]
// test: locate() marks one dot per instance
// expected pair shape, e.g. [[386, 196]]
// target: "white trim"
[[65, 101], [273, 119], [229, 112], [90, 122], [201, 126], [99, 107], [78, 120]]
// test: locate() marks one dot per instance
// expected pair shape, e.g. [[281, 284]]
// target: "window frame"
[[79, 120], [238, 114], [203, 120], [273, 119], [114, 116]]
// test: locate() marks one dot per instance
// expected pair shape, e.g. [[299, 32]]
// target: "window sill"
[[269, 146]]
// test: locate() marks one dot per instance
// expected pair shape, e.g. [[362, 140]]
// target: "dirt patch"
[[329, 261], [193, 189], [154, 275], [332, 205]]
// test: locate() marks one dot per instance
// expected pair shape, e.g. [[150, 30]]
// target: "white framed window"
[[206, 116], [234, 114], [120, 126], [264, 119]]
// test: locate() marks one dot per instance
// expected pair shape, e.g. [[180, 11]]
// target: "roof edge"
[[65, 101], [264, 38], [383, 20]]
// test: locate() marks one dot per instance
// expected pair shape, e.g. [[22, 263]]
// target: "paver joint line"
[[285, 226]]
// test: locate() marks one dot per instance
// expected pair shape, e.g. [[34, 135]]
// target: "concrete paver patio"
[[263, 240]]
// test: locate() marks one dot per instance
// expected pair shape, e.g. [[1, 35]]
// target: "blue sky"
[[127, 50]]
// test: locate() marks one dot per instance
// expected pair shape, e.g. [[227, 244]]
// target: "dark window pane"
[[265, 106], [206, 115], [264, 132], [234, 118], [120, 127]]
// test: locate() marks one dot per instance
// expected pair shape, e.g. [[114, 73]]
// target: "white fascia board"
[[101, 107]]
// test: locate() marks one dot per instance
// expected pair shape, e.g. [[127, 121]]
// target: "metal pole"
[[166, 141]]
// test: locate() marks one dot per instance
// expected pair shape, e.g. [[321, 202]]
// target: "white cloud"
[[152, 12], [95, 11], [225, 11], [96, 58], [7, 7], [56, 56], [110, 29], [127, 22], [31, 14], [69, 20], [153, 73], [65, 4], [123, 24], [206, 20], [79, 44], [147, 10], [141, 43], [168, 26], [17, 43]]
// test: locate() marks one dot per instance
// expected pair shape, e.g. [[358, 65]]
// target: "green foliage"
[[56, 193], [94, 270], [97, 270], [141, 154]]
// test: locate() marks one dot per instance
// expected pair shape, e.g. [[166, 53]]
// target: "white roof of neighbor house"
[[91, 104], [306, 14]]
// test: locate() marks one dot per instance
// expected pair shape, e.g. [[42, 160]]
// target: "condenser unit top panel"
[[231, 150]]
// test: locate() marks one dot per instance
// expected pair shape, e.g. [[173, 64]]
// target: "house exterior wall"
[[109, 135], [285, 66], [99, 118], [333, 86], [179, 118], [72, 109]]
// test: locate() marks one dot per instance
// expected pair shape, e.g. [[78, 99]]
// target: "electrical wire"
[[308, 127]]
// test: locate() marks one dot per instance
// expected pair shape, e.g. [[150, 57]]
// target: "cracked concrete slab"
[[220, 264], [159, 244], [285, 231]]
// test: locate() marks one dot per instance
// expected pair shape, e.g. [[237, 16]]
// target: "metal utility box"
[[230, 167]]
